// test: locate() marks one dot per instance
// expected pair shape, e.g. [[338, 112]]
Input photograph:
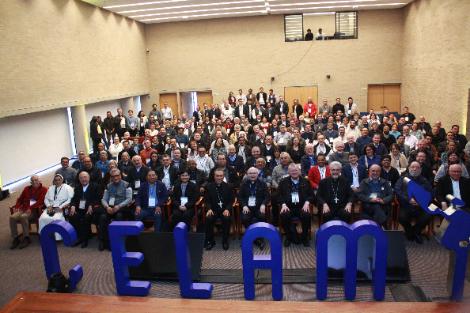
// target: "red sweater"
[[314, 176], [30, 193]]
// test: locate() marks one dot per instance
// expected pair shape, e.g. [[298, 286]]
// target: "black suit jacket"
[[326, 193], [173, 174], [285, 108], [285, 190], [212, 197], [191, 192], [444, 188], [261, 193], [92, 196], [233, 178], [133, 175], [236, 164]]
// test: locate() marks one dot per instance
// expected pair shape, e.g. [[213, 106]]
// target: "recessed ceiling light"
[[141, 3], [202, 15], [197, 11]]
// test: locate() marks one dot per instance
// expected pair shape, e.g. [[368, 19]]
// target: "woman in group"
[[399, 160], [154, 163], [115, 148], [415, 131], [57, 199], [219, 147], [369, 158], [295, 150]]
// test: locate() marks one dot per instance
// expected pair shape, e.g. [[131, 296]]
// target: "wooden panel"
[[301, 93], [172, 100], [375, 98], [55, 302], [392, 98], [204, 97]]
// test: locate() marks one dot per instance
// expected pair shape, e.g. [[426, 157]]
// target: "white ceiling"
[[161, 11]]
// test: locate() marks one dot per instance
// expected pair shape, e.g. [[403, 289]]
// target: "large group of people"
[[272, 160]]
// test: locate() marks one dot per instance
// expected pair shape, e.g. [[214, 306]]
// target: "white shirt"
[[322, 171], [355, 172], [411, 141], [166, 177], [167, 113], [204, 164], [242, 96], [456, 189]]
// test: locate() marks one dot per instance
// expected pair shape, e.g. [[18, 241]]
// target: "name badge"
[[349, 112], [147, 160], [193, 181], [111, 201], [331, 139], [137, 184], [295, 197], [406, 118], [81, 205], [268, 158], [184, 200], [152, 202], [32, 202], [252, 201], [373, 195]]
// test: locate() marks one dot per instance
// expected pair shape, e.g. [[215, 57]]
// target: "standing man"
[[295, 196], [167, 113], [310, 108], [183, 200]]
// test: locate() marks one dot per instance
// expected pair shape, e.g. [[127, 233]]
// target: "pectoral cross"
[[336, 200], [220, 204]]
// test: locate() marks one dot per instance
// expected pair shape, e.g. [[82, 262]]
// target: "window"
[[293, 27], [346, 25]]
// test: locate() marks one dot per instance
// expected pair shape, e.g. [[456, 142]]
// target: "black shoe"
[[306, 242], [286, 242], [78, 242], [84, 244], [209, 245], [15, 243], [225, 245], [419, 239], [24, 243], [101, 246]]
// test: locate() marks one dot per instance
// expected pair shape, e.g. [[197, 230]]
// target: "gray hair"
[[336, 164]]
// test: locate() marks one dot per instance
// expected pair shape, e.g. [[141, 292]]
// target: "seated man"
[[335, 196], [57, 199], [454, 184], [376, 194], [295, 196], [183, 200], [167, 173], [150, 200], [409, 208], [230, 174], [354, 172], [253, 197], [27, 205], [219, 201], [85, 202], [137, 174], [115, 201]]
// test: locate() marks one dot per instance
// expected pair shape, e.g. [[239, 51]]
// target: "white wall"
[[33, 142]]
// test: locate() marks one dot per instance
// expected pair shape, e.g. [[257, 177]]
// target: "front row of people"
[[335, 196]]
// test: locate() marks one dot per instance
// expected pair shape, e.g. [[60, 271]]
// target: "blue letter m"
[[351, 234]]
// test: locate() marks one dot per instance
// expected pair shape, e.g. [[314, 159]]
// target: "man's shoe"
[[209, 245], [101, 246], [15, 243], [287, 242], [24, 243], [306, 242], [84, 244], [225, 245]]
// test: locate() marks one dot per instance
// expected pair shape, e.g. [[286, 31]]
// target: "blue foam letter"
[[273, 261], [49, 250], [351, 234], [188, 289], [118, 231]]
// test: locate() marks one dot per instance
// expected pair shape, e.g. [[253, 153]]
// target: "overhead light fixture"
[[141, 3], [189, 6], [202, 15], [338, 7], [320, 2], [197, 11]]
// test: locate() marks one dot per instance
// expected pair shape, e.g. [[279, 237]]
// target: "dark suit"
[[409, 211], [444, 188], [135, 175], [354, 147], [80, 220], [186, 216], [336, 194], [305, 193], [347, 173], [236, 163], [392, 175], [218, 199], [142, 201], [259, 190], [231, 176], [373, 210], [282, 108], [307, 162]]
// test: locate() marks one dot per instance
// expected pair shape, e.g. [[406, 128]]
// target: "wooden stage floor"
[[52, 302]]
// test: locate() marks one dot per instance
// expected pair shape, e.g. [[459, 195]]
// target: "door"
[[172, 100], [204, 97], [384, 96], [301, 93]]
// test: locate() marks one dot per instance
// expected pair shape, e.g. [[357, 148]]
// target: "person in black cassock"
[[219, 201], [335, 196], [295, 196]]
